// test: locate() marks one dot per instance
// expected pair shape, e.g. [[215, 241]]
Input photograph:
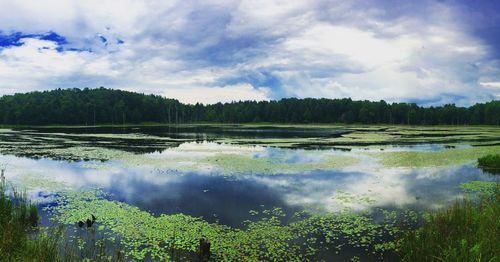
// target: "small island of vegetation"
[[490, 163]]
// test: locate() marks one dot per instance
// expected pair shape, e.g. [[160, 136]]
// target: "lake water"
[[231, 175]]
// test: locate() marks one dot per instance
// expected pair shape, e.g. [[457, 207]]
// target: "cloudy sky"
[[428, 52]]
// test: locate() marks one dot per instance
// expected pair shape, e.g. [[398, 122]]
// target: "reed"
[[467, 231], [22, 240], [18, 221]]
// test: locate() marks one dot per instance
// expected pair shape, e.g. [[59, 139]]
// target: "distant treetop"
[[108, 106]]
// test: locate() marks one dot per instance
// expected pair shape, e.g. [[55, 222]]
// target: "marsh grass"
[[87, 246], [467, 231], [22, 240], [490, 163], [18, 222]]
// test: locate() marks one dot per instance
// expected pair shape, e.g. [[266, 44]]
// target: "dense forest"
[[108, 106]]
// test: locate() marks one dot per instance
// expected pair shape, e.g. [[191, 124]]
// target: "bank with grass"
[[469, 230], [22, 239], [19, 239]]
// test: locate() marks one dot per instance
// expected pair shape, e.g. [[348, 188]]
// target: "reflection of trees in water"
[[37, 143], [206, 132], [36, 146]]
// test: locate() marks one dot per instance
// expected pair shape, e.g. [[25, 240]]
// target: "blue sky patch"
[[14, 39], [52, 36], [8, 40], [103, 39]]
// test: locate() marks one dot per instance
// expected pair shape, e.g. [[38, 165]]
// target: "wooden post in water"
[[2, 177], [204, 252]]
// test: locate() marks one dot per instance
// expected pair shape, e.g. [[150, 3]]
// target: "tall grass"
[[490, 163], [18, 220], [467, 231], [22, 240]]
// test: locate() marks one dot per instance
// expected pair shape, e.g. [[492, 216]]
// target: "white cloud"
[[322, 41], [312, 49], [490, 84], [218, 94], [424, 60]]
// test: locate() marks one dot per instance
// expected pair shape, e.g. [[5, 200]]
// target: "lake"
[[265, 192]]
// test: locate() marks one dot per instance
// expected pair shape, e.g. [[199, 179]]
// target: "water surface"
[[170, 171]]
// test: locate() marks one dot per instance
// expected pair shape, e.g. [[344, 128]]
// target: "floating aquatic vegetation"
[[96, 165], [417, 159], [38, 181], [217, 159], [480, 187], [353, 136], [267, 238], [239, 164], [41, 143], [61, 146], [348, 200]]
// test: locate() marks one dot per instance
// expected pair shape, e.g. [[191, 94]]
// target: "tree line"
[[108, 106]]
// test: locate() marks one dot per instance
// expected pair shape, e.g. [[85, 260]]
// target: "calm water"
[[229, 199]]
